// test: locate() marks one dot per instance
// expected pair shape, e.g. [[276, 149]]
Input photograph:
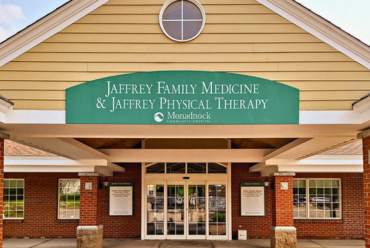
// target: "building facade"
[[184, 120]]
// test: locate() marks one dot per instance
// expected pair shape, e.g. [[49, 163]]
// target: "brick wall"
[[89, 210], [352, 224], [125, 226], [1, 189], [257, 227], [366, 189], [41, 201], [283, 202], [41, 208]]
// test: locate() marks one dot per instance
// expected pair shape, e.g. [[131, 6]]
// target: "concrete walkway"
[[132, 243]]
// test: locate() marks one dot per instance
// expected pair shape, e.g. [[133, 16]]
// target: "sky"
[[351, 15]]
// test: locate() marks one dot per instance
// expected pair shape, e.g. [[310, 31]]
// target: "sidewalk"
[[133, 243]]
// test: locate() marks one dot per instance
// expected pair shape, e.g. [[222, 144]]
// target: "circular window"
[[182, 20]]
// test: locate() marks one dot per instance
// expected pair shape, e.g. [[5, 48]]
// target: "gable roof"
[[354, 148], [289, 9], [12, 148]]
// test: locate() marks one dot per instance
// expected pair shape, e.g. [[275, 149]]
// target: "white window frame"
[[61, 179], [24, 200], [308, 197], [164, 7]]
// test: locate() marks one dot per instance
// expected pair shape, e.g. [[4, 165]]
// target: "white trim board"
[[45, 28], [357, 116], [321, 28]]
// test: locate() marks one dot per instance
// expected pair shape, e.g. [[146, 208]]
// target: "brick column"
[[282, 232], [3, 136], [90, 230], [365, 136]]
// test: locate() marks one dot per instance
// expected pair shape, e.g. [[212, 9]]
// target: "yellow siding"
[[241, 36]]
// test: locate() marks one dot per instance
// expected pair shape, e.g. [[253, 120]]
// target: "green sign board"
[[182, 98]]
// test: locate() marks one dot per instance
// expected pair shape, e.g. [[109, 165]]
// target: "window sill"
[[68, 221], [320, 221]]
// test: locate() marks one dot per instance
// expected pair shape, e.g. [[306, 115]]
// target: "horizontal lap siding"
[[241, 36]]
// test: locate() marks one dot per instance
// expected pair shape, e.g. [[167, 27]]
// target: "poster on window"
[[121, 195], [252, 199]]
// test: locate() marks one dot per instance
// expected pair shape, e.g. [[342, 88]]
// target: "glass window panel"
[[221, 229], [173, 29], [13, 198], [201, 228], [200, 168], [176, 168], [191, 29], [214, 168], [12, 183], [179, 229], [302, 214], [212, 228], [20, 206], [295, 183], [173, 11], [193, 229], [171, 228], [159, 230], [312, 183], [319, 183], [191, 11], [20, 183], [12, 214], [312, 214], [201, 191], [302, 191], [335, 183], [313, 191], [160, 190], [157, 168], [69, 198], [302, 183], [295, 190], [171, 190], [150, 230], [327, 183]]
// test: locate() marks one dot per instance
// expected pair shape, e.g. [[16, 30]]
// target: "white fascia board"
[[45, 28], [321, 28], [35, 117], [48, 169], [51, 161], [305, 117], [332, 117], [319, 160], [322, 168]]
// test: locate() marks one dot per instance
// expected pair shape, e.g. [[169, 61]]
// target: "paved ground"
[[132, 243]]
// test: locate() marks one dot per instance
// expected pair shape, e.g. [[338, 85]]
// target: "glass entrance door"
[[196, 211], [186, 210]]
